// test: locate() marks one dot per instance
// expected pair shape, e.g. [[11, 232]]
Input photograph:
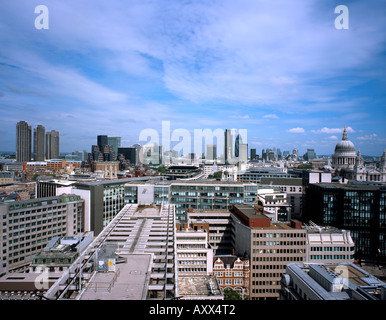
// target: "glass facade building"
[[358, 208], [208, 195]]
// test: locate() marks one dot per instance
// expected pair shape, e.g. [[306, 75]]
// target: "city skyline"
[[281, 70]]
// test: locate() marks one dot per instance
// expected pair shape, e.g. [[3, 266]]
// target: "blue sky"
[[279, 69]]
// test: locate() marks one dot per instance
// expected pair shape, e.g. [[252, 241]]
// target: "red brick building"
[[233, 272]]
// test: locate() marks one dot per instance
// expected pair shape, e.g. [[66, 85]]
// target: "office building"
[[255, 174], [328, 244], [102, 151], [211, 152], [134, 258], [102, 140], [6, 177], [344, 281], [39, 143], [309, 155], [115, 142], [293, 188], [29, 225], [241, 150], [52, 145], [228, 147], [355, 207], [23, 142], [103, 200], [194, 255], [270, 246], [275, 203], [200, 194], [295, 154], [220, 228], [253, 155], [130, 154]]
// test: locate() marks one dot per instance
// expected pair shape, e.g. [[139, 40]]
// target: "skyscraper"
[[23, 142], [102, 140], [253, 154], [52, 145], [228, 146], [211, 152], [241, 149], [115, 142], [39, 138], [103, 151]]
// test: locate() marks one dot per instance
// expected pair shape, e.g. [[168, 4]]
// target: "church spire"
[[344, 134]]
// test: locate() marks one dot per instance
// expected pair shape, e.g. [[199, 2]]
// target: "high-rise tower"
[[39, 137], [23, 142], [228, 146], [52, 145]]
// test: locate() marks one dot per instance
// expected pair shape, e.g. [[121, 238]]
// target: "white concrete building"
[[328, 245], [194, 257]]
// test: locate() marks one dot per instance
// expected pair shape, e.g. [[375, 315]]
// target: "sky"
[[280, 70]]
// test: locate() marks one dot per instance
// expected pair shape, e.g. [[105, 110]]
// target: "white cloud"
[[332, 138], [240, 117], [368, 137], [333, 130], [296, 130], [271, 116]]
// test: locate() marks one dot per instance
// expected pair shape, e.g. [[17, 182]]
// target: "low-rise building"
[[328, 244], [60, 253], [345, 281], [233, 273], [6, 177]]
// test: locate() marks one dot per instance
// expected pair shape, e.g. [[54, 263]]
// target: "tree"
[[216, 175], [230, 294]]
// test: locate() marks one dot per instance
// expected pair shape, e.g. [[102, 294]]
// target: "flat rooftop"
[[129, 282], [199, 287], [117, 181], [350, 187]]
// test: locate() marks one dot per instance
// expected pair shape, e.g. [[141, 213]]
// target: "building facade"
[[194, 256], [355, 207], [328, 245], [185, 195], [39, 143], [233, 273], [23, 142], [29, 225], [345, 281], [270, 246], [52, 145]]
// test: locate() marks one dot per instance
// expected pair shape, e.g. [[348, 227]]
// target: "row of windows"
[[213, 188], [279, 243], [279, 235], [231, 282], [229, 273], [330, 249], [262, 251], [183, 262], [221, 266], [331, 257], [276, 266], [267, 274]]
